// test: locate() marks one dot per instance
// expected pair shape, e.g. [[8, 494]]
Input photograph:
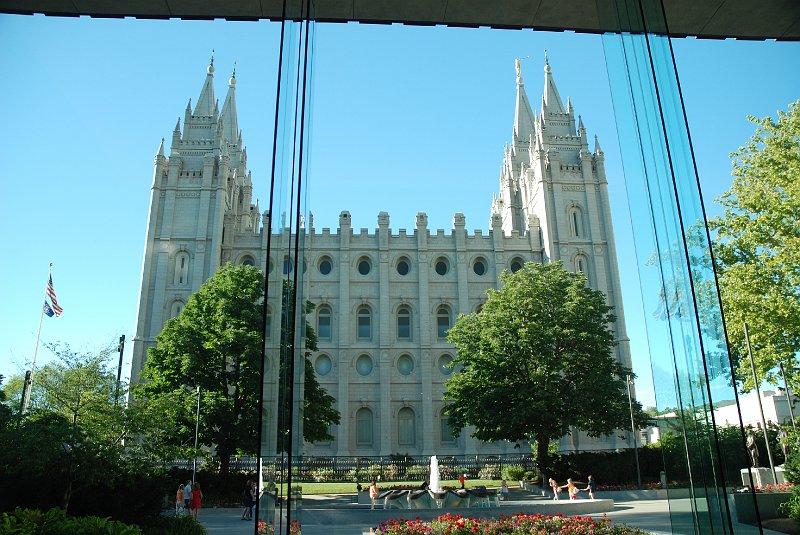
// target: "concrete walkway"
[[338, 515]]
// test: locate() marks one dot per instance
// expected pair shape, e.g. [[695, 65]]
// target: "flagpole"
[[27, 395]]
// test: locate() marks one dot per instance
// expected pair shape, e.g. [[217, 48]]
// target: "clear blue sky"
[[405, 120]]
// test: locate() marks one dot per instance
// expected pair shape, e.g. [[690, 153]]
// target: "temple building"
[[384, 298]]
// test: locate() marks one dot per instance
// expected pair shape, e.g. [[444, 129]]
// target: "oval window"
[[364, 365], [479, 267], [444, 364], [325, 266], [442, 266], [364, 266], [323, 365], [405, 364], [403, 267]]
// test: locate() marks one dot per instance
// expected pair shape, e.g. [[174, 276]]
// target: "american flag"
[[47, 310], [51, 293]]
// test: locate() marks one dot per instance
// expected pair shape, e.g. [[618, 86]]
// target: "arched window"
[[516, 264], [404, 323], [176, 309], [248, 261], [447, 432], [406, 430], [576, 221], [181, 268], [364, 427], [364, 319], [324, 323], [443, 321]]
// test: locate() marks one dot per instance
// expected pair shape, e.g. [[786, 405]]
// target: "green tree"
[[215, 343], [537, 360], [757, 246], [74, 432]]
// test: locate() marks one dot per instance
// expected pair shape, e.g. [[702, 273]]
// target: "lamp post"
[[629, 383], [196, 432]]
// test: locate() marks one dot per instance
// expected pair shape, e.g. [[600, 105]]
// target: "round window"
[[287, 265], [516, 265], [403, 267], [325, 266], [444, 364], [364, 266], [442, 266], [405, 364], [364, 365], [479, 267], [323, 365]]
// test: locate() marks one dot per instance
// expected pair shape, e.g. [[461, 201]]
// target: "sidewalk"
[[655, 516]]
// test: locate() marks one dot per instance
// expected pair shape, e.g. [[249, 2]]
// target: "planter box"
[[768, 503]]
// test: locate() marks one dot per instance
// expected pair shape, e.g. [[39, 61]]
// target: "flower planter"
[[768, 505]]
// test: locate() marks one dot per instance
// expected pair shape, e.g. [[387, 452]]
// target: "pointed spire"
[[551, 101], [177, 126], [597, 149], [205, 104], [230, 128], [523, 114], [161, 148], [581, 128]]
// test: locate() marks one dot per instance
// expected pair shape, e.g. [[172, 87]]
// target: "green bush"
[[529, 475], [172, 525], [513, 472], [56, 522], [323, 475], [417, 471], [489, 471]]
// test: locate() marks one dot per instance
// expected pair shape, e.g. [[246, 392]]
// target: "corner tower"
[[201, 197], [552, 183]]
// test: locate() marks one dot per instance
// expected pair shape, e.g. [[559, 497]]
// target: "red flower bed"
[[528, 524]]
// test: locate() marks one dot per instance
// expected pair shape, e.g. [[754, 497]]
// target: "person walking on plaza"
[[555, 487], [504, 491], [572, 490], [373, 493], [187, 496], [462, 479], [179, 506], [591, 487], [247, 513], [197, 499]]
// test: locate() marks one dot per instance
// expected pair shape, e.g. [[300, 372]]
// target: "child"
[[572, 490], [179, 508], [373, 493], [555, 487], [590, 487], [504, 491]]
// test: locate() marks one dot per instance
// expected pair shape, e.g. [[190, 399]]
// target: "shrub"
[[489, 471], [56, 522], [513, 472], [172, 525], [323, 475], [417, 471], [529, 475]]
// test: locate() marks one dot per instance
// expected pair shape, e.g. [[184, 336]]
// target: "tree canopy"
[[537, 360], [757, 246], [214, 344]]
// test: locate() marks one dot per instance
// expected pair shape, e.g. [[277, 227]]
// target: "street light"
[[629, 383], [196, 431]]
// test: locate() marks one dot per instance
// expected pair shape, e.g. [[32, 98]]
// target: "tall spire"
[[205, 104], [551, 101], [228, 117], [523, 115]]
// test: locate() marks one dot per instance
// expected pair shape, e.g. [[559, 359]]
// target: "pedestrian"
[[187, 496], [179, 507], [591, 486], [504, 490], [462, 479], [247, 502], [572, 490], [197, 499], [555, 487], [253, 497], [373, 493]]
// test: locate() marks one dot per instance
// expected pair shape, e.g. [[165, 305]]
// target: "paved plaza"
[[339, 515]]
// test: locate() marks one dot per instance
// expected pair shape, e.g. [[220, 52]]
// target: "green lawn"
[[350, 488]]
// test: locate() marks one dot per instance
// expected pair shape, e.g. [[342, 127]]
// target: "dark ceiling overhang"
[[740, 19]]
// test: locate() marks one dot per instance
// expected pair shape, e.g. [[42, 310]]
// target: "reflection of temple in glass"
[[384, 299]]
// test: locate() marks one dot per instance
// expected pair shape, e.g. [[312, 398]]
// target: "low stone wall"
[[768, 505], [619, 495]]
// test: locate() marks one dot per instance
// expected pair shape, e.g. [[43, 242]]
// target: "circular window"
[[323, 365], [364, 365], [402, 267], [444, 364], [325, 266], [442, 266], [479, 267], [364, 266], [405, 364], [516, 265]]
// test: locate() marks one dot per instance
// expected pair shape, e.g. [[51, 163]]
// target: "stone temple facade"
[[384, 299]]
